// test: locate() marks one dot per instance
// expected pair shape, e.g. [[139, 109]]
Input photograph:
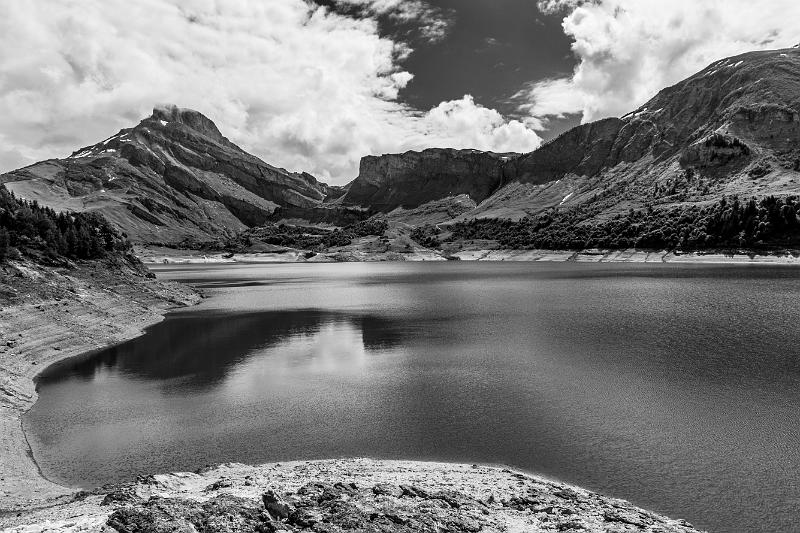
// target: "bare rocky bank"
[[345, 495], [161, 255], [50, 314]]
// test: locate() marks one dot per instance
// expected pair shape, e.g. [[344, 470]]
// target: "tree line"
[[307, 238], [35, 230], [757, 223]]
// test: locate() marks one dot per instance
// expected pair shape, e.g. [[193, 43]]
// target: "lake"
[[676, 387]]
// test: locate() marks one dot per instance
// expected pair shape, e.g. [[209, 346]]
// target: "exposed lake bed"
[[603, 376]]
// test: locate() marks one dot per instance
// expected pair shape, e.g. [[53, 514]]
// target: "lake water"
[[676, 387]]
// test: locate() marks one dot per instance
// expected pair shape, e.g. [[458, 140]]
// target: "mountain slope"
[[731, 129], [172, 178]]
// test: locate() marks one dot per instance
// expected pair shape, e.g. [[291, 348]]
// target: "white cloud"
[[630, 49], [478, 127], [297, 85]]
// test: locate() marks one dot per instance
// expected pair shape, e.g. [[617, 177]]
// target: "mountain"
[[173, 178], [731, 129]]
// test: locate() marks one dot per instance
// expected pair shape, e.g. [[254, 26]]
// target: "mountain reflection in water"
[[201, 351]]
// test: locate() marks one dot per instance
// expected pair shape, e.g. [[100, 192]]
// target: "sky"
[[314, 85]]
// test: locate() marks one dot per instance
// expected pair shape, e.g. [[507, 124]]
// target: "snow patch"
[[567, 197], [163, 122]]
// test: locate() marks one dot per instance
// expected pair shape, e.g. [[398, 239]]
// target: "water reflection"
[[202, 350]]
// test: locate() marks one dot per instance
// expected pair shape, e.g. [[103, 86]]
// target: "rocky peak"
[[190, 118]]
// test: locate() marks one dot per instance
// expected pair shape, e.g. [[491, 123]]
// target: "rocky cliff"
[[170, 179], [414, 178]]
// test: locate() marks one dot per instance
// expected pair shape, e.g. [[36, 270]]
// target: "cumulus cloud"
[[296, 84], [628, 50], [478, 127]]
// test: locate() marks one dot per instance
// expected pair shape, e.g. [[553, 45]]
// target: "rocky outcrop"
[[414, 178], [714, 151], [348, 495]]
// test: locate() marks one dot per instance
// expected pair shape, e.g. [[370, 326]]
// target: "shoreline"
[[177, 256], [76, 313]]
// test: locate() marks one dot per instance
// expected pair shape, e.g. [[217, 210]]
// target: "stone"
[[277, 506]]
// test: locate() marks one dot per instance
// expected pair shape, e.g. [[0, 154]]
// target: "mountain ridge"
[[732, 129]]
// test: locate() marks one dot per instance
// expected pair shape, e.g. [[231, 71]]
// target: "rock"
[[277, 506], [413, 492], [306, 517], [226, 514], [387, 489], [120, 495], [221, 484]]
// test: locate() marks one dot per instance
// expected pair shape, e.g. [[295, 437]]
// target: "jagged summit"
[[166, 114]]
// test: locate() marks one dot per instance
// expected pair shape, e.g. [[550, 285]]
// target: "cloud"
[[431, 22], [628, 50], [479, 127], [299, 85]]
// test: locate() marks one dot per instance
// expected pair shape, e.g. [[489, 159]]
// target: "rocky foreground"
[[51, 313], [344, 495]]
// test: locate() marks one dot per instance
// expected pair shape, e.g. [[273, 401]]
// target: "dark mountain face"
[[415, 178], [172, 178]]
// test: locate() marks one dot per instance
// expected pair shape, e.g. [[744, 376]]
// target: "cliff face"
[[174, 177], [414, 178]]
